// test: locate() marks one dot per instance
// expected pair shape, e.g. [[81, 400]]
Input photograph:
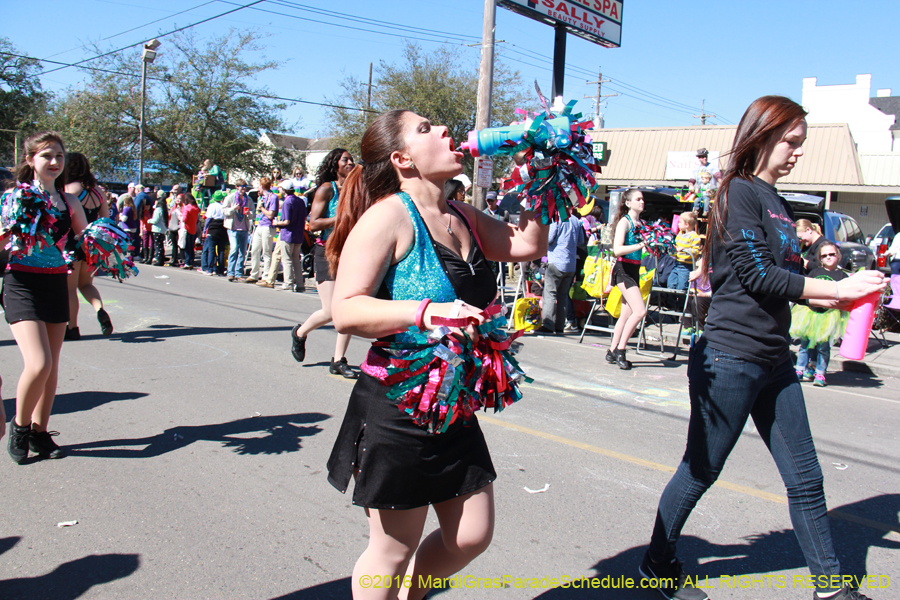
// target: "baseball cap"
[[491, 196]]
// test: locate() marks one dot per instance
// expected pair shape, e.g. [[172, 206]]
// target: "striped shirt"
[[687, 247]]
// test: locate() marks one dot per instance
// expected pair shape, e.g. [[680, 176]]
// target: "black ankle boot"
[[611, 356], [620, 360]]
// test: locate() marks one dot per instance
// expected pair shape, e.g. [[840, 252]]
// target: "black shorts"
[[35, 297], [628, 274], [323, 273]]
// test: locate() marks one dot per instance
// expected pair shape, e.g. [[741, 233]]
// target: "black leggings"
[[159, 247]]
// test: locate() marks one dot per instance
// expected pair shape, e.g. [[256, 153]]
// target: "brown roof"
[[638, 156]]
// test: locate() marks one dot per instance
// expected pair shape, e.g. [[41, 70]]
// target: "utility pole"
[[369, 99], [598, 119], [485, 90], [703, 114]]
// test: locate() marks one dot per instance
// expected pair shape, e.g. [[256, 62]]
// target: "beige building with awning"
[[830, 166]]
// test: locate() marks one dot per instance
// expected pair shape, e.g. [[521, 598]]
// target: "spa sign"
[[598, 21]]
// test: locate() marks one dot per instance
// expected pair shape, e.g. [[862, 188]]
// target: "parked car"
[[837, 227], [881, 241]]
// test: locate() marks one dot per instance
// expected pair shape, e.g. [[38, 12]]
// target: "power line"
[[135, 28], [292, 16], [158, 36], [346, 17], [166, 80], [181, 12]]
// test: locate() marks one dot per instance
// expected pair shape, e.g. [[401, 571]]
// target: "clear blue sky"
[[725, 53]]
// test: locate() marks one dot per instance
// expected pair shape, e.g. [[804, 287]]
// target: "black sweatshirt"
[[754, 274]]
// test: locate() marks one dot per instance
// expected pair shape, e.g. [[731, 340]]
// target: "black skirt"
[[401, 465], [625, 273], [320, 263], [35, 297]]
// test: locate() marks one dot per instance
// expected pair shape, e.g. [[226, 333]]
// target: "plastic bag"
[[527, 314]]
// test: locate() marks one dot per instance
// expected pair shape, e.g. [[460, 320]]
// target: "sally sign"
[[598, 21]]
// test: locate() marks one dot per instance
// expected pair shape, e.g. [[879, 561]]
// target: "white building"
[[873, 130]]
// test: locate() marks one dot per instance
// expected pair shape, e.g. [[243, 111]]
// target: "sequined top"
[[419, 273], [332, 211], [630, 240]]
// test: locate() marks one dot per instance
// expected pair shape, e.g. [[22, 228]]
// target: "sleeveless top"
[[47, 260], [431, 270], [92, 214], [630, 240], [330, 214]]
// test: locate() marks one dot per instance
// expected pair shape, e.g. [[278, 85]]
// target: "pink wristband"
[[420, 314]]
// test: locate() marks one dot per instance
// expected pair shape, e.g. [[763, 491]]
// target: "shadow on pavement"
[[339, 588], [854, 379], [855, 528], [160, 332], [8, 542], [78, 401], [280, 434], [72, 579]]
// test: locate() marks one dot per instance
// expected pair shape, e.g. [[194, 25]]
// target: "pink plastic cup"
[[859, 326]]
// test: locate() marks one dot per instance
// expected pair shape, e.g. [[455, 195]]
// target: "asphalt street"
[[197, 450]]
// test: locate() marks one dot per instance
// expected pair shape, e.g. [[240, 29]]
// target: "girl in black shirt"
[[741, 366]]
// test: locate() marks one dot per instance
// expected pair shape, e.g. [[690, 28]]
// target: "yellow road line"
[[742, 489]]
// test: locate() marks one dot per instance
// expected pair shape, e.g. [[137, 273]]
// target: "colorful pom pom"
[[105, 245], [438, 379], [658, 236], [558, 164], [28, 216]]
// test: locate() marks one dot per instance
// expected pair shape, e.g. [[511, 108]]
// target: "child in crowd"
[[703, 193], [818, 327], [146, 233], [687, 251]]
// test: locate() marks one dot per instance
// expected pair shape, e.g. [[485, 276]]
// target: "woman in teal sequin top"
[[396, 243], [332, 172], [36, 299]]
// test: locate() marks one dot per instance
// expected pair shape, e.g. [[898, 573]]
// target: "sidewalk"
[[882, 359]]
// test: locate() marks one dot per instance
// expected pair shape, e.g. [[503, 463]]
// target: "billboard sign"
[[681, 165], [598, 21]]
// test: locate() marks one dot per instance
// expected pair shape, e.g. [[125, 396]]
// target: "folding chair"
[[598, 307], [657, 318]]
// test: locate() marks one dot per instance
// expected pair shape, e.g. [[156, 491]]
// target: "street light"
[[147, 57]]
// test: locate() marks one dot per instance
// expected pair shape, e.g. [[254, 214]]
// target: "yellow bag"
[[596, 276], [527, 314], [614, 303]]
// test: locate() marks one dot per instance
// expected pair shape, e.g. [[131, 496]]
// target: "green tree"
[[201, 103], [436, 85], [21, 98]]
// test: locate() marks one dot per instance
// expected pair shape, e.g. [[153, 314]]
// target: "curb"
[[869, 368]]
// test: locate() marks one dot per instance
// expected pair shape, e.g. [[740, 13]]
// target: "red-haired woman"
[[741, 367], [404, 255], [36, 299], [80, 182]]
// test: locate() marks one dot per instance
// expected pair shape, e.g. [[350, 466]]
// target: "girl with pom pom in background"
[[35, 293]]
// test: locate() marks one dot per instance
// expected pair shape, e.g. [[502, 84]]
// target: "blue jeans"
[[678, 278], [238, 241], [724, 391], [821, 353], [188, 250]]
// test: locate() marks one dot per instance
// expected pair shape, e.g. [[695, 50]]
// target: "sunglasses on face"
[[829, 255]]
